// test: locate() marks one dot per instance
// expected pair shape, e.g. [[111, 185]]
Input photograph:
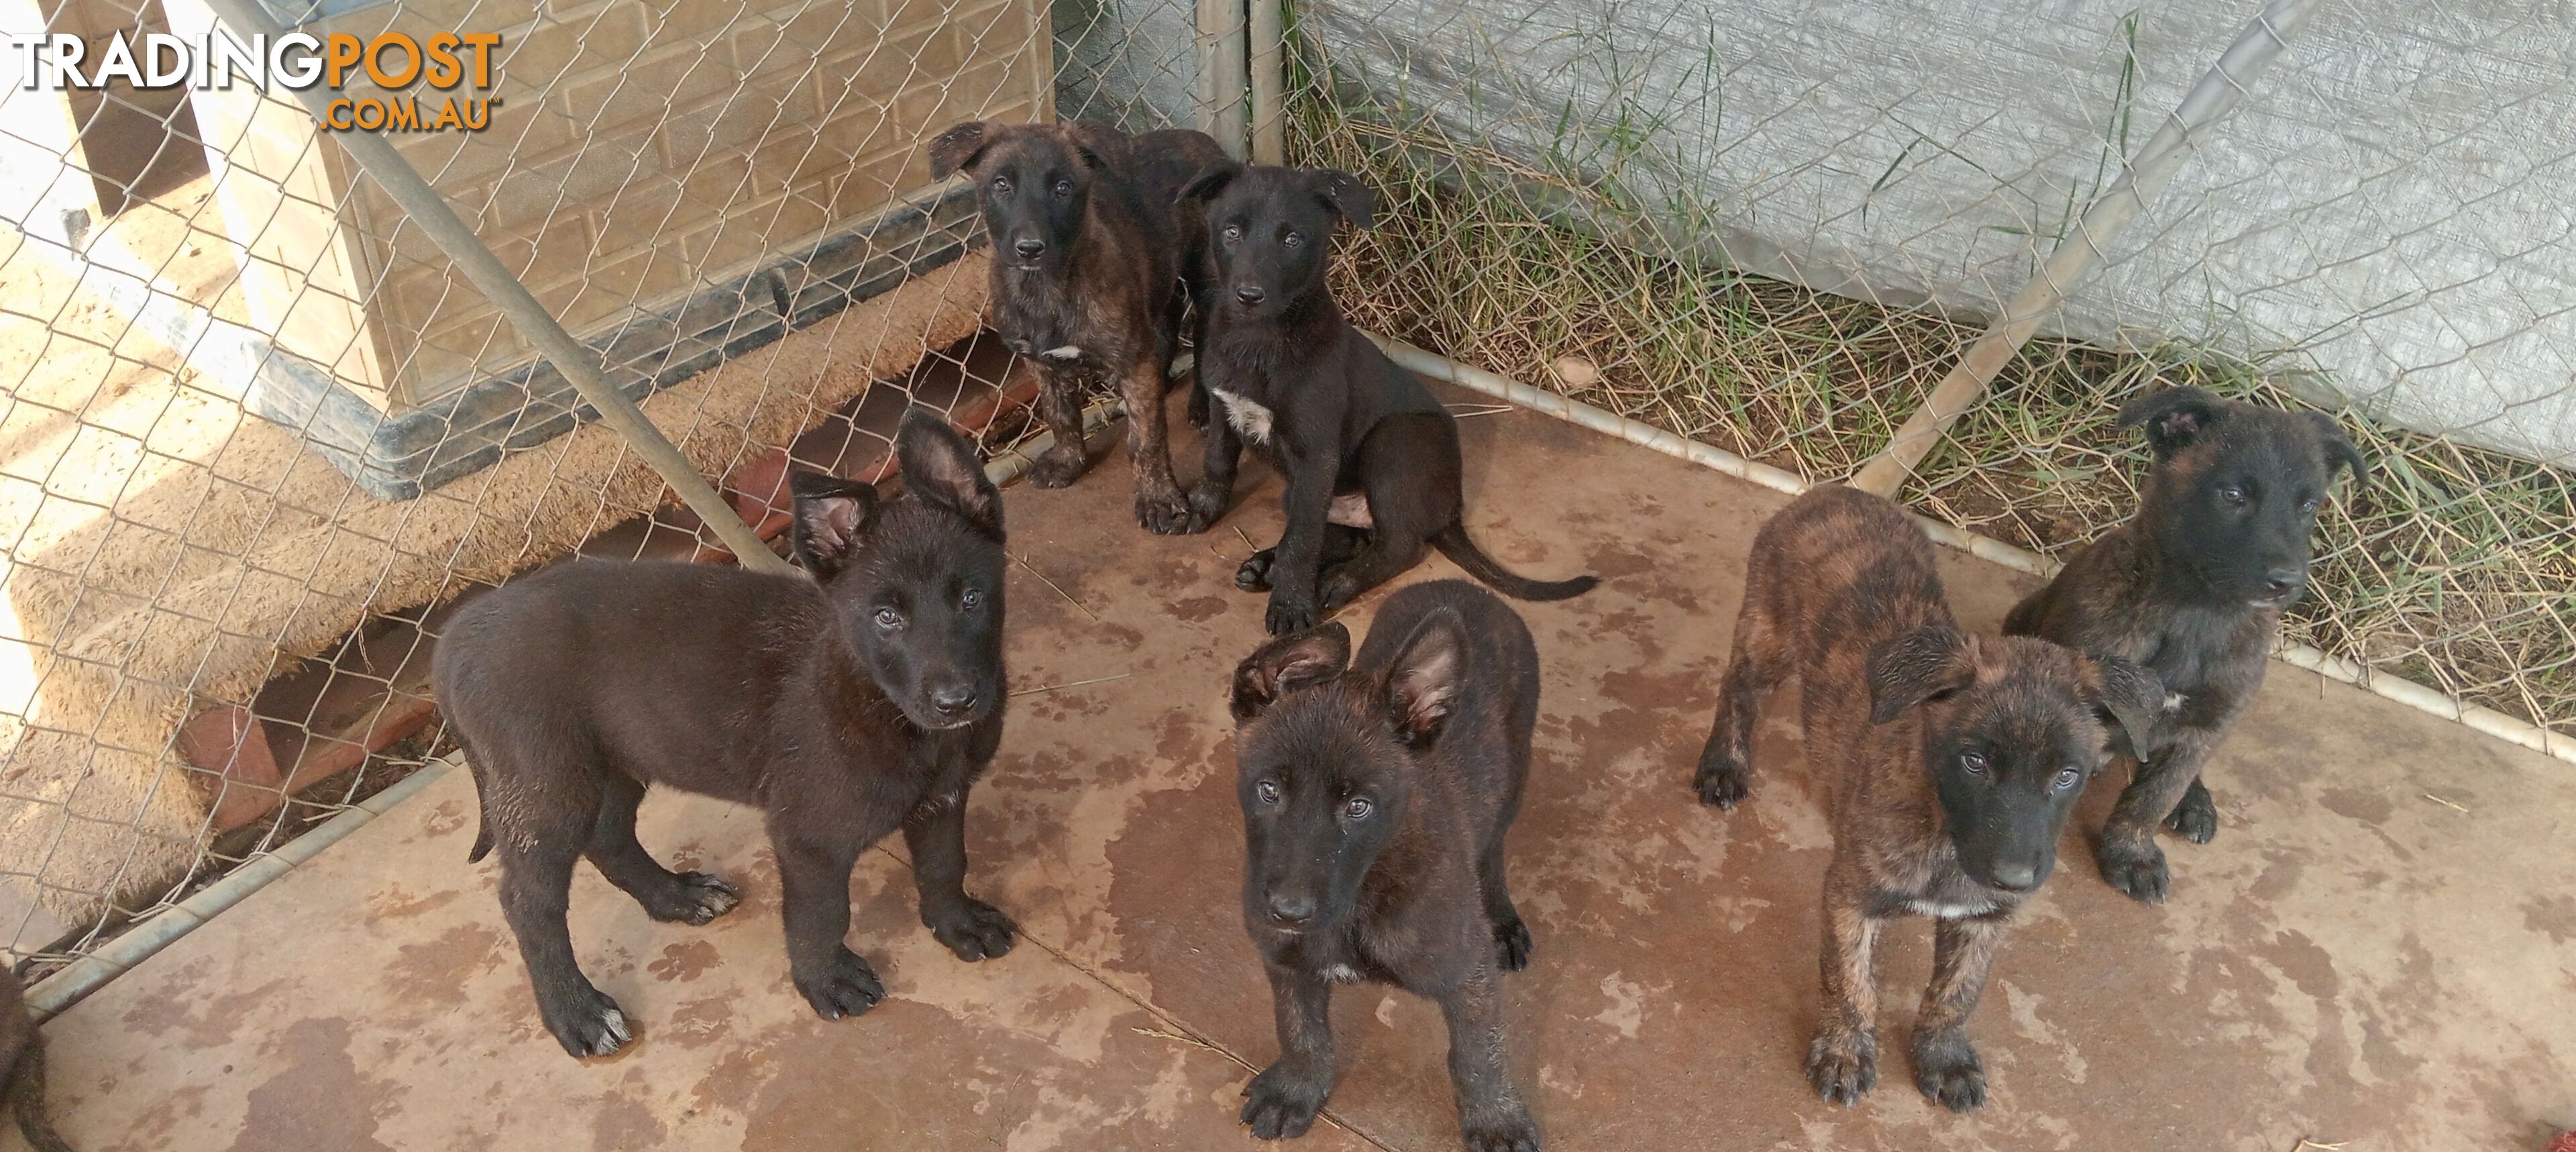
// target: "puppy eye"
[[1292, 240], [1974, 762], [1002, 184], [1357, 808], [2233, 494], [888, 618], [971, 601], [2066, 778], [1063, 188], [1268, 790], [2308, 505], [1232, 233]]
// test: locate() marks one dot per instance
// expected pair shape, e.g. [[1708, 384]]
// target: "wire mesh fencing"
[[260, 434], [1775, 228]]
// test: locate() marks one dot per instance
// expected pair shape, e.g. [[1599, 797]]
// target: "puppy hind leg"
[[1759, 662], [672, 897], [536, 893], [1060, 409]]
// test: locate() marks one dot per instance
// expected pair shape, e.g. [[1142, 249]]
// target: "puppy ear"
[[1919, 666], [1287, 663], [2124, 694], [2339, 450], [940, 467], [828, 513], [1090, 159], [2174, 417], [1345, 194], [1422, 686], [1210, 181], [957, 148]]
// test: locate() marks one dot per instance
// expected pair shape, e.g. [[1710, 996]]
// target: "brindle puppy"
[[2193, 587], [1954, 761], [1088, 257]]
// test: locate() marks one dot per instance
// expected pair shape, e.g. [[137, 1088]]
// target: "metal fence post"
[[1269, 66], [1222, 79], [2216, 96], [578, 363]]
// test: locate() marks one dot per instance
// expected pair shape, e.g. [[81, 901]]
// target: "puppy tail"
[[1453, 543], [25, 1094], [482, 818]]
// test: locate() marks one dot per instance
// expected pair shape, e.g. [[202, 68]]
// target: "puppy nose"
[[1250, 294], [953, 701], [2281, 580], [1291, 910], [2016, 877], [1031, 248]]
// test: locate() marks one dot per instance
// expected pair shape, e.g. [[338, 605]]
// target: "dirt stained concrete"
[[2375, 950]]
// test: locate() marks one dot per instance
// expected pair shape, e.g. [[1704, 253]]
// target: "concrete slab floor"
[[2376, 949]]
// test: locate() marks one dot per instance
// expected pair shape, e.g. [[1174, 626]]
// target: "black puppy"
[[1370, 458], [1375, 799], [843, 706], [22, 1067], [1953, 762], [1089, 254], [2193, 587]]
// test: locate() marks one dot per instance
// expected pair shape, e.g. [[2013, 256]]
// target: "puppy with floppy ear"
[[844, 706], [1956, 761], [1091, 270], [2194, 587], [1376, 791]]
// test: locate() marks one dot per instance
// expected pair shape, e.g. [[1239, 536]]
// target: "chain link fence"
[[1776, 228], [261, 434]]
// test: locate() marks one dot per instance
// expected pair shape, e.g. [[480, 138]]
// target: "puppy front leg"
[[1842, 1064], [1215, 488], [1490, 1111], [1294, 564], [1060, 409], [814, 883], [2129, 857], [1946, 1067], [936, 835], [1159, 505], [1282, 1101]]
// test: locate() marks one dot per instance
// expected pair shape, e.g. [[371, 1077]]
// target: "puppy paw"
[[1512, 944], [694, 898], [2137, 869], [1337, 590], [1291, 615], [590, 1025], [846, 987], [1207, 504], [1514, 1132], [1254, 575], [2196, 817], [1721, 780], [1843, 1065], [1058, 466], [1948, 1072], [974, 930], [1166, 514], [1281, 1103]]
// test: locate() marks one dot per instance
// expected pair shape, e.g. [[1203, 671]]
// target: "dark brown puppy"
[[1375, 799], [1088, 258], [1954, 761], [867, 698], [1370, 457], [2193, 587], [22, 1067]]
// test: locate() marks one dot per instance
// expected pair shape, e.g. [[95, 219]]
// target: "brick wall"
[[641, 148]]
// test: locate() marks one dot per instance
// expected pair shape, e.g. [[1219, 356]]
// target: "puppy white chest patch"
[[1068, 352], [1941, 911], [1341, 974], [2173, 703], [1248, 418]]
